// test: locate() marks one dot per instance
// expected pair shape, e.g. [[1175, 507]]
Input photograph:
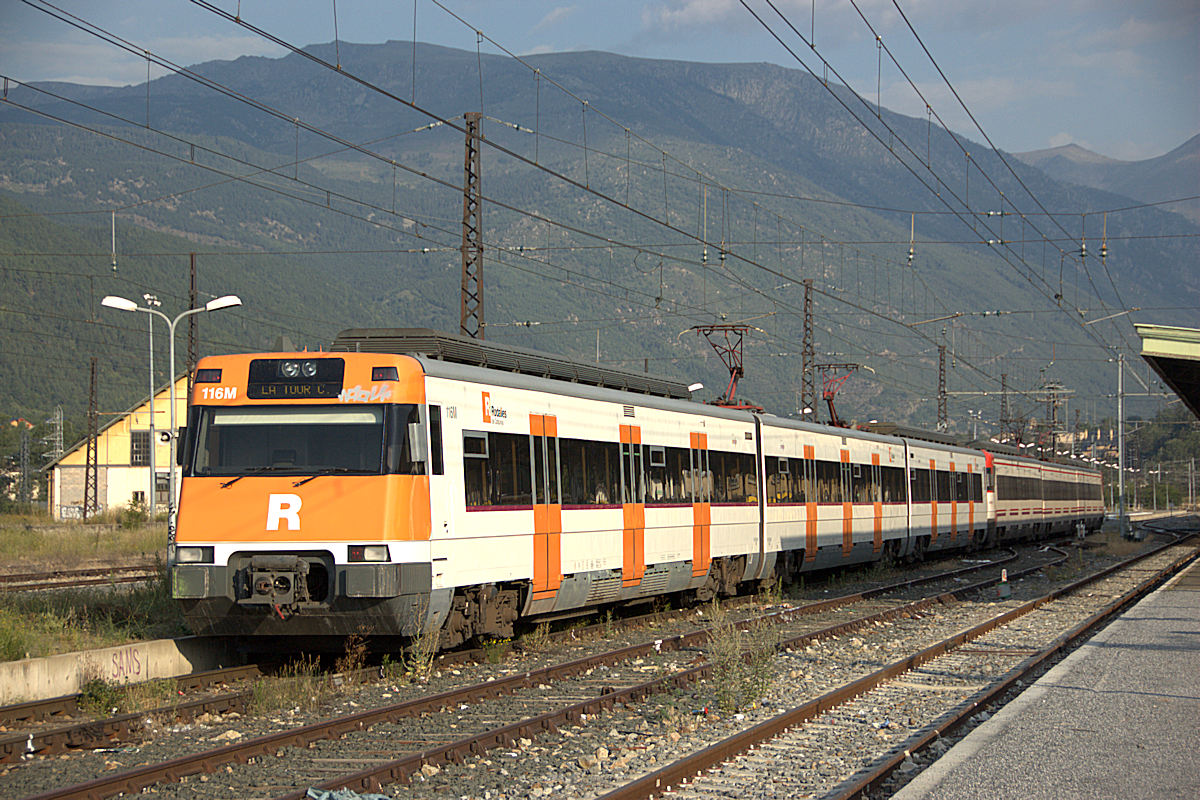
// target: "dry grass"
[[1108, 542], [101, 698], [36, 624], [300, 686], [29, 542]]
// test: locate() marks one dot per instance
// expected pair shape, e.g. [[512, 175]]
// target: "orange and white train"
[[412, 481]]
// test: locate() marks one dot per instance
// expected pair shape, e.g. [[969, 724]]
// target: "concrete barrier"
[[66, 673]]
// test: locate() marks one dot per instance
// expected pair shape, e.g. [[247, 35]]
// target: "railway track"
[[849, 741], [464, 720], [76, 578]]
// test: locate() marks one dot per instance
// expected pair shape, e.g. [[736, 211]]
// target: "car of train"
[[409, 481]]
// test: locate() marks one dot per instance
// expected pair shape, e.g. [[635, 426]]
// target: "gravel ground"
[[583, 761]]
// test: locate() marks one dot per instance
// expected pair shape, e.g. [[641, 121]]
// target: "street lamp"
[[121, 304], [152, 302]]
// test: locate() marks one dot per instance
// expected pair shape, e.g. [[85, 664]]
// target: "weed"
[[390, 670], [771, 593], [298, 685], [100, 698], [353, 659], [537, 639], [741, 655], [494, 650], [608, 622], [421, 654]]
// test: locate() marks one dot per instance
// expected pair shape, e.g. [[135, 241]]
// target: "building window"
[[139, 449]]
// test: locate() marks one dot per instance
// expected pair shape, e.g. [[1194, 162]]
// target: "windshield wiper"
[[252, 471], [335, 471]]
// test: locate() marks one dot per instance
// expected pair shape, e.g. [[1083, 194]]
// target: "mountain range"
[[1173, 175], [678, 194]]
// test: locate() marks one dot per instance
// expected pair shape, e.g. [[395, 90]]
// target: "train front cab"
[[304, 507]]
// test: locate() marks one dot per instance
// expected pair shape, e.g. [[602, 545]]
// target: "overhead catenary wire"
[[586, 233]]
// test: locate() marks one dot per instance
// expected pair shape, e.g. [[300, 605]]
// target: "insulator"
[[704, 256], [1103, 250], [1083, 250]]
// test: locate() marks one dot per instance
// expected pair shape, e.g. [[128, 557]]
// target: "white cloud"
[[555, 16], [95, 63], [677, 15]]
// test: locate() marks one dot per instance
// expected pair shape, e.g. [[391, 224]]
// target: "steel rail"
[[68, 578], [873, 780], [99, 733], [402, 769], [136, 779], [680, 771]]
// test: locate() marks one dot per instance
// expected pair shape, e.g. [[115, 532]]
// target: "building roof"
[[115, 419], [1174, 353]]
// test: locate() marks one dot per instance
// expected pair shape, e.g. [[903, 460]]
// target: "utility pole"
[[91, 500], [943, 418], [191, 359], [1005, 419], [808, 378], [1122, 520], [471, 306]]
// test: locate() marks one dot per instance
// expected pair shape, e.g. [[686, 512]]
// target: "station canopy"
[[1174, 353]]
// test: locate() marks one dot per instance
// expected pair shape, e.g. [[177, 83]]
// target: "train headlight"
[[308, 369], [194, 555], [368, 552], [289, 369]]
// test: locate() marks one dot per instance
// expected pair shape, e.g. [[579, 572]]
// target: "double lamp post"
[[122, 304]]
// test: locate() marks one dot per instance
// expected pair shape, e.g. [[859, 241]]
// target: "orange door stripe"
[[547, 526], [933, 503], [847, 528], [633, 534]]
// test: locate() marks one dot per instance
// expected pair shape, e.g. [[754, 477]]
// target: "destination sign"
[[292, 391], [295, 378]]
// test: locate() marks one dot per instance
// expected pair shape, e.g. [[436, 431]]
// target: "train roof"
[[442, 346]]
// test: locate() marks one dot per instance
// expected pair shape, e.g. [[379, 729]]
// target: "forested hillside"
[[342, 209]]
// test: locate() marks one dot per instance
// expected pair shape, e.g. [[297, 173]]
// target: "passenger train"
[[410, 481]]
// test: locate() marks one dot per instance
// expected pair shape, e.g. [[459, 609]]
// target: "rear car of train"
[[304, 504]]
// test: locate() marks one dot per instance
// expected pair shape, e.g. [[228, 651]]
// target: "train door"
[[701, 505], [810, 503], [877, 502], [547, 507], [847, 488], [955, 483], [633, 507], [440, 501]]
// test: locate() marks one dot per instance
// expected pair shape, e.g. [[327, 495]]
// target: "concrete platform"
[[1119, 718]]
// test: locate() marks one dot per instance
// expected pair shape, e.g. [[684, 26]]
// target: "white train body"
[[519, 496]]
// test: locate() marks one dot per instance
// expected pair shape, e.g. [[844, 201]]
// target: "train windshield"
[[293, 440]]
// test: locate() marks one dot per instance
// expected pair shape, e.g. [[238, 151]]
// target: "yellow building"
[[122, 459]]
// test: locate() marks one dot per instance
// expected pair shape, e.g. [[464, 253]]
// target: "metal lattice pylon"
[[471, 309], [91, 499], [808, 378]]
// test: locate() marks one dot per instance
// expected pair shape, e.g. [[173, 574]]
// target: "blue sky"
[[1121, 78]]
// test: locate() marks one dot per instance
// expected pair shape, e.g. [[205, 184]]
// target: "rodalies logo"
[[492, 413]]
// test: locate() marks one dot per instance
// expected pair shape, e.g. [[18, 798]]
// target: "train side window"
[[475, 468], [779, 488], [435, 440], [510, 470], [666, 475]]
